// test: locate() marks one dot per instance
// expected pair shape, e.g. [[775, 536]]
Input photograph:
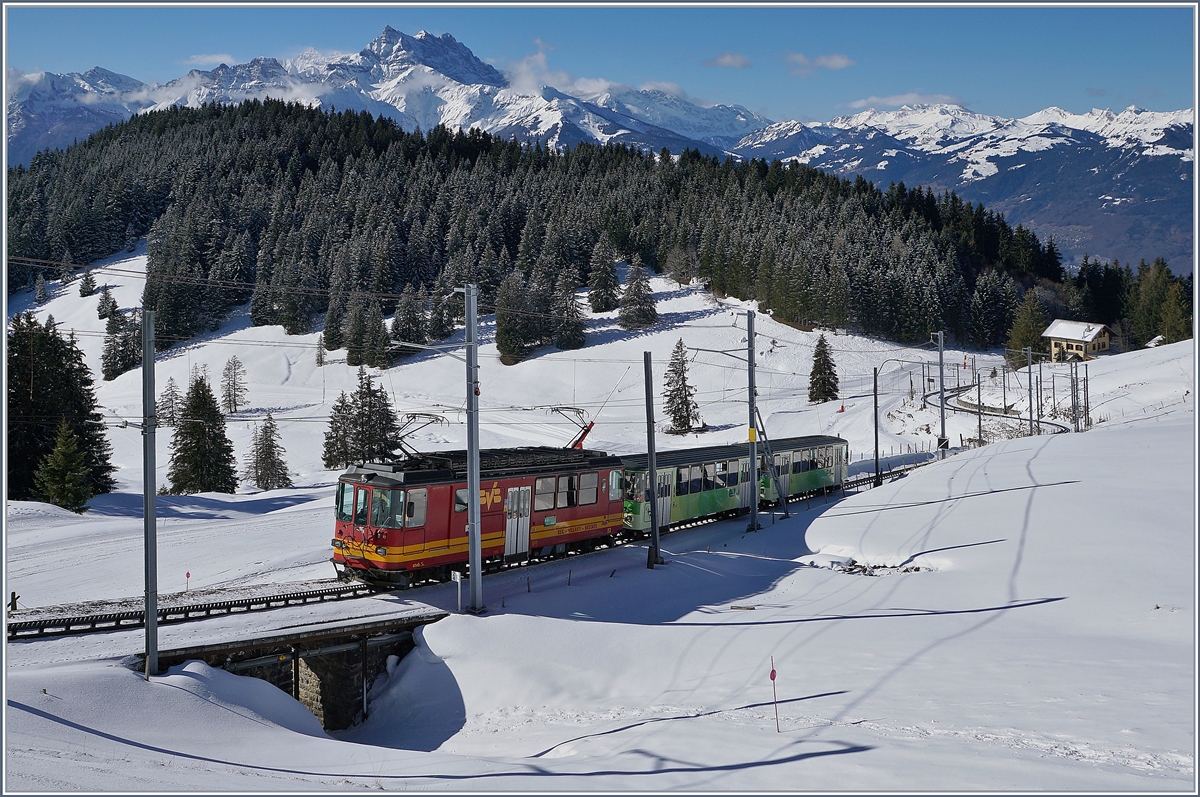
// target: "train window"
[[731, 477], [414, 514], [803, 465], [386, 508], [543, 494], [719, 475], [344, 503], [568, 487], [697, 473], [681, 482], [710, 472], [614, 485], [588, 483], [635, 487], [360, 506], [460, 500]]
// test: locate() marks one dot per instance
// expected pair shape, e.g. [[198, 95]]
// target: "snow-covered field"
[[1026, 619]]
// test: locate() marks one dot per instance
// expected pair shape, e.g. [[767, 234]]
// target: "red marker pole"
[[186, 578], [775, 695]]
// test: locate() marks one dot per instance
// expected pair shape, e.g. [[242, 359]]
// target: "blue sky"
[[800, 63]]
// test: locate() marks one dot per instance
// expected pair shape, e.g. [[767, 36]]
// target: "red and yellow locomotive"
[[404, 522]]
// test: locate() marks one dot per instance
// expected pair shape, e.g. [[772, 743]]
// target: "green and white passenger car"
[[714, 481]]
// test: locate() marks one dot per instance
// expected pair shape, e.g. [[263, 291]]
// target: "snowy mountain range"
[[1102, 183]]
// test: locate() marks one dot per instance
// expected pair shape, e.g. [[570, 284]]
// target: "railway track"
[[127, 620], [120, 621]]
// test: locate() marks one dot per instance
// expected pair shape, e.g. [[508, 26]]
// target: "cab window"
[[460, 500], [414, 513], [614, 485], [343, 505], [360, 506], [635, 487], [386, 508]]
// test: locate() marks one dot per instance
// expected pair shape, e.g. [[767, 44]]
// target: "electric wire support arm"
[[762, 430]]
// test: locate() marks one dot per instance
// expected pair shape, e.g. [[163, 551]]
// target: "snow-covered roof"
[[1073, 330]]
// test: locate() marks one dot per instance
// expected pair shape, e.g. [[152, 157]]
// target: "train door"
[[664, 496], [362, 497], [746, 490], [783, 469], [516, 521]]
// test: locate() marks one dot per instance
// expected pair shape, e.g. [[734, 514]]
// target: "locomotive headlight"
[[381, 551], [337, 544]]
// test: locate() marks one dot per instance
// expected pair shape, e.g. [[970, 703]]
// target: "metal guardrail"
[[119, 621]]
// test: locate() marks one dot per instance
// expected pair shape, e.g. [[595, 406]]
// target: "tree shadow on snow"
[[193, 507]]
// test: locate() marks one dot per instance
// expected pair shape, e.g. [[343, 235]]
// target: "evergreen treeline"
[[52, 405], [306, 213]]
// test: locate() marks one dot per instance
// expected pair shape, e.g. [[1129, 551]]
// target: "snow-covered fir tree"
[[107, 304], [638, 310], [87, 285], [39, 289], [603, 285], [201, 454], [362, 426], [169, 403], [409, 324], [122, 344], [62, 477], [377, 341], [512, 336], [678, 395], [233, 385], [823, 379], [569, 315], [265, 466]]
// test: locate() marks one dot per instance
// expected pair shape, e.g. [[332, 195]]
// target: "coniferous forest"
[[322, 218]]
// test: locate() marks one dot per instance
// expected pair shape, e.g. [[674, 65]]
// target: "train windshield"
[[343, 505], [635, 486], [387, 508]]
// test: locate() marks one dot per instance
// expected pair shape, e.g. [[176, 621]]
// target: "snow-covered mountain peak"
[[396, 52], [926, 127]]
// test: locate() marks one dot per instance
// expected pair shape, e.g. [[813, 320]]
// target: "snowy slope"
[[1045, 642]]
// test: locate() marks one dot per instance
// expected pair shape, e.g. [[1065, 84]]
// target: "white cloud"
[[530, 73], [803, 66], [210, 60], [908, 98], [734, 60]]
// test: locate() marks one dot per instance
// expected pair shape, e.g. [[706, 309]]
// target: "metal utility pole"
[[943, 441], [875, 394], [1041, 414], [1074, 395], [1087, 406], [474, 532], [652, 557], [979, 404], [148, 492], [752, 426], [1029, 362]]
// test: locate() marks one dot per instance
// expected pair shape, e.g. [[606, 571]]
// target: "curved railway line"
[[46, 627]]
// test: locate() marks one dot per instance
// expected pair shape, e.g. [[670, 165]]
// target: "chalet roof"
[[1082, 331]]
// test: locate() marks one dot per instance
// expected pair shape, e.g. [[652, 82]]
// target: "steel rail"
[[120, 621]]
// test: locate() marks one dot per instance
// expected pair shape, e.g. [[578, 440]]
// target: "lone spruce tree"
[[107, 304], [87, 285], [62, 478], [637, 302], [233, 385], [169, 404], [678, 396], [201, 453], [265, 467], [823, 379]]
